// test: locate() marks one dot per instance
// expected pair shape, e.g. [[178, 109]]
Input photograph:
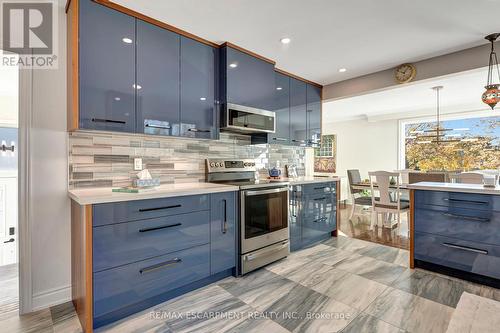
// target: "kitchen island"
[[455, 230]]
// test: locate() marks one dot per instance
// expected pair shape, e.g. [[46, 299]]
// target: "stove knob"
[[245, 164], [212, 164]]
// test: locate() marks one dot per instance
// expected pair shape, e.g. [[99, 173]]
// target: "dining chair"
[[470, 178], [389, 201], [356, 194]]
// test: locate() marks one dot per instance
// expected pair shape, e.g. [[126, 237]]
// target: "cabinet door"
[[313, 115], [250, 81], [198, 116], [157, 80], [107, 69], [222, 231], [282, 110], [298, 118]]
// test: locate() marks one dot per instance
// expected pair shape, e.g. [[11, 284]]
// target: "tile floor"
[[340, 285]]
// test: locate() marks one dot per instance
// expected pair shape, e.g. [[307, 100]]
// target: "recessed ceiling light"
[[233, 65], [117, 98], [342, 70], [127, 40], [137, 86], [203, 98], [285, 40], [278, 88]]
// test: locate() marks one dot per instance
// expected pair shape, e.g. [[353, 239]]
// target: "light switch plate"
[[137, 164]]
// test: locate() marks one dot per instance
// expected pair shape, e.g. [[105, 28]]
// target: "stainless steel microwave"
[[244, 119]]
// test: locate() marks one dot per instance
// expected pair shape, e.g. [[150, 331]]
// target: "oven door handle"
[[271, 191]]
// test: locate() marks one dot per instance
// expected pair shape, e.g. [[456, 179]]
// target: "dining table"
[[367, 186]]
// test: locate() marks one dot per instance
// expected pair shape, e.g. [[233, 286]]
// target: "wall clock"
[[405, 73]]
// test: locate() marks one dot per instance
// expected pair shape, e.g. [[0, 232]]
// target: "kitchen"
[[193, 191]]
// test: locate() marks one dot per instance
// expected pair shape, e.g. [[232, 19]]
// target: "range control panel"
[[230, 165]]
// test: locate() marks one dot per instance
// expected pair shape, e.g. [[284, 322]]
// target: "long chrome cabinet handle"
[[160, 265], [142, 210], [466, 201], [158, 126], [224, 220], [472, 218], [465, 248], [160, 227], [280, 139], [274, 190], [100, 120], [199, 130]]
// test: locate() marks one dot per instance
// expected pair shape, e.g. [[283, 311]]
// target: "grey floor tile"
[[372, 269], [350, 289], [434, 287], [365, 323], [403, 258], [490, 292], [258, 325], [380, 252], [475, 314], [36, 322], [330, 256], [410, 312]]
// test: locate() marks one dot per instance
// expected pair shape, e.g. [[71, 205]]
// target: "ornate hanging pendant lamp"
[[492, 94]]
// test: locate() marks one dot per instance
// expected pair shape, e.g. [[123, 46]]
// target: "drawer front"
[[316, 206], [457, 200], [146, 209], [459, 254], [125, 285], [123, 243], [471, 225], [319, 188]]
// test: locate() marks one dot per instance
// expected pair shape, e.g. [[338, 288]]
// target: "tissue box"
[[147, 182]]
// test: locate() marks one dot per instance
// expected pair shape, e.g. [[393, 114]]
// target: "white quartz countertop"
[[89, 196], [455, 187], [309, 180]]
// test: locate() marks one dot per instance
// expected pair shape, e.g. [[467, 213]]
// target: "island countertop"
[[455, 187], [89, 196]]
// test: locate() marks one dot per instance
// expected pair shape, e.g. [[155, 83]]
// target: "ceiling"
[[364, 36], [461, 93]]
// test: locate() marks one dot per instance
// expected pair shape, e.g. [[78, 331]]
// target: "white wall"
[[49, 205], [363, 145]]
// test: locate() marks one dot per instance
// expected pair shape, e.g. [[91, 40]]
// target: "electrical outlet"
[[137, 164]]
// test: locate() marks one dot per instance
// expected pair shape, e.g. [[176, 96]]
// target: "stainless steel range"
[[263, 212]]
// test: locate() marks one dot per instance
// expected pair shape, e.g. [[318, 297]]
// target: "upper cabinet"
[[157, 84], [107, 71], [313, 115], [247, 80], [298, 112], [128, 73], [282, 110], [198, 89]]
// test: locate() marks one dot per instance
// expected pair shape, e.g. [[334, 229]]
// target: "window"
[[464, 144]]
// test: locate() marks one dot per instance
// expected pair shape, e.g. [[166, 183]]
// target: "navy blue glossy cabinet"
[[459, 231], [282, 109], [158, 80], [222, 231], [298, 114], [247, 80], [313, 211], [148, 251], [198, 88], [313, 115], [107, 69]]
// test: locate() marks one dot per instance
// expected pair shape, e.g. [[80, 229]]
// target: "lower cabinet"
[[313, 213], [222, 231], [145, 261]]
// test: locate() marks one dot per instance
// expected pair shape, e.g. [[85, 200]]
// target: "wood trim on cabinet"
[[412, 228], [72, 53], [299, 78], [250, 53], [81, 264], [130, 12]]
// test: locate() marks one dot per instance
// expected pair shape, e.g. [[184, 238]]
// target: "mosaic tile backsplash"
[[98, 159]]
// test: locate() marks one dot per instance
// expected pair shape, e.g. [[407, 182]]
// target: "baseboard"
[[51, 297]]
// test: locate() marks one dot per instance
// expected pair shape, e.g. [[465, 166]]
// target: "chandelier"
[[492, 94]]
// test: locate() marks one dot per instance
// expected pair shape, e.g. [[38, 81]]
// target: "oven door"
[[264, 218]]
